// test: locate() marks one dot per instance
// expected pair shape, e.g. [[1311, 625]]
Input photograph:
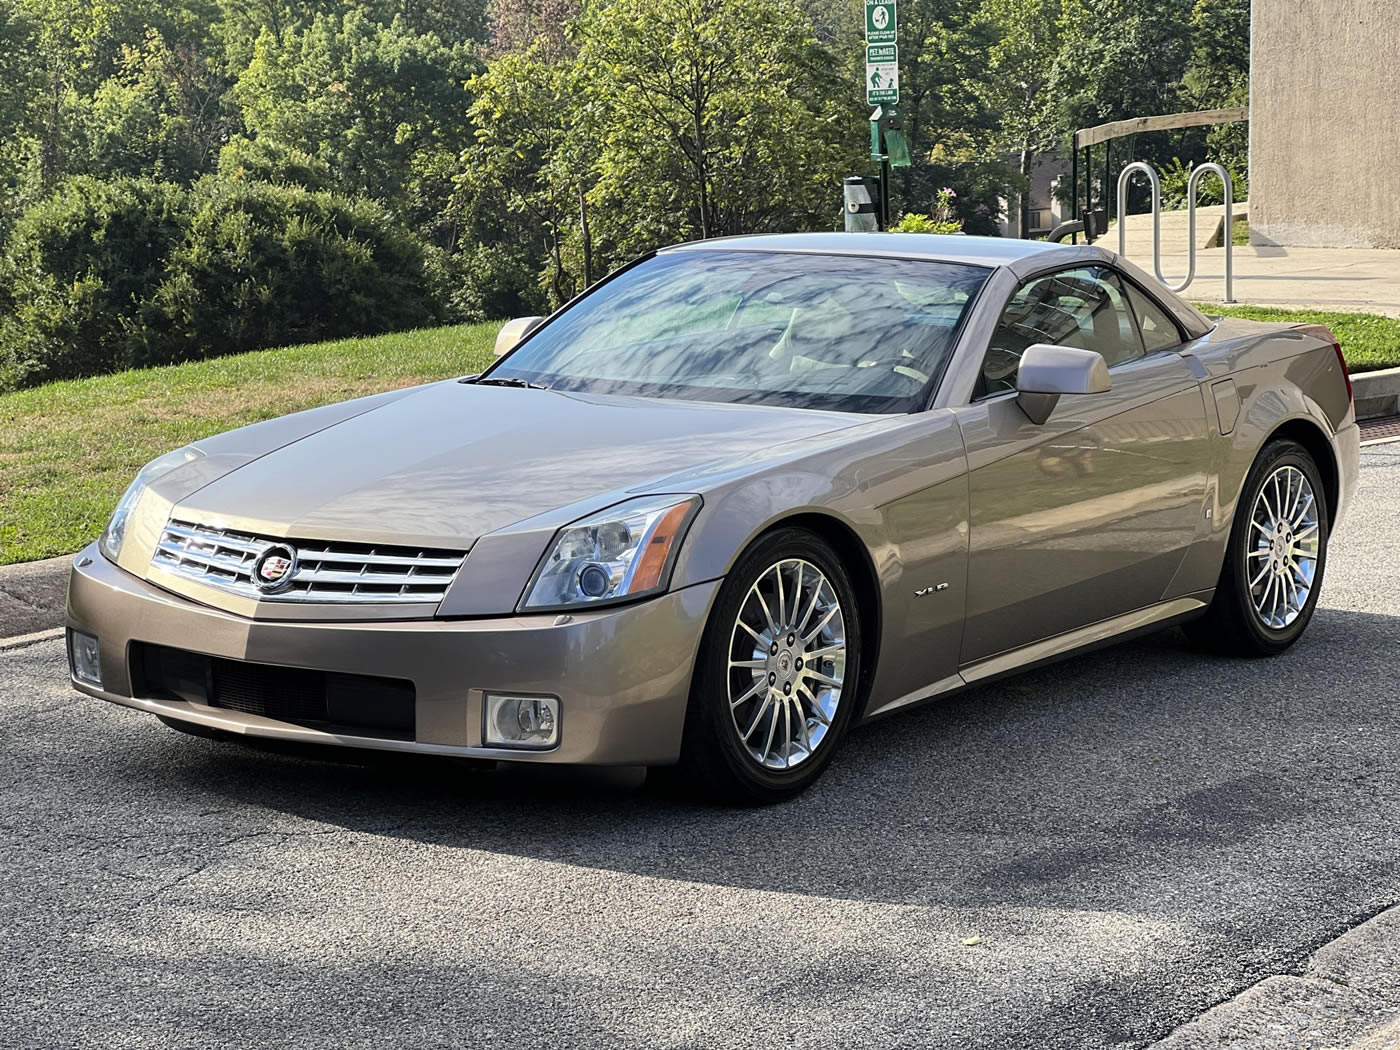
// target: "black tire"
[[194, 729], [714, 761], [1231, 626]]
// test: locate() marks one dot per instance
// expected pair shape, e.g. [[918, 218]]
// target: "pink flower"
[[949, 191]]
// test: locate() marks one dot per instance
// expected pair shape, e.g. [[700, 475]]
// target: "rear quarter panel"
[[1280, 377]]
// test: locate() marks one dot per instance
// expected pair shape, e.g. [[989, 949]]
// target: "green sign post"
[[881, 53], [887, 144]]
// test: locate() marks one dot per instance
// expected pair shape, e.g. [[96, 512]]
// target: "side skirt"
[[1048, 650]]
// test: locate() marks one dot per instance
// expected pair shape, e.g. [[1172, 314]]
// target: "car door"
[[1090, 514]]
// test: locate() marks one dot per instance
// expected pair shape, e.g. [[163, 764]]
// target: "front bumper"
[[622, 674]]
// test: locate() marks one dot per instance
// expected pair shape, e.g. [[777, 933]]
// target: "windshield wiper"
[[523, 384]]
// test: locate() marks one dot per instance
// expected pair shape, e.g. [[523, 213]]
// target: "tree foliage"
[[383, 107], [717, 124], [196, 176]]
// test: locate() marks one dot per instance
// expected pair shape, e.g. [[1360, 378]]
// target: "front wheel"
[[776, 681], [1273, 568]]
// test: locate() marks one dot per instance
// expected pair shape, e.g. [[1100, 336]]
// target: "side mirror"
[[513, 331], [1047, 371]]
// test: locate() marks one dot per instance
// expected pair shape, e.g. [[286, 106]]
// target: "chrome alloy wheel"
[[787, 662], [1283, 547]]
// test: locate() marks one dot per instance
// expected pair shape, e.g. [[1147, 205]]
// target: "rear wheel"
[[1273, 569], [776, 682]]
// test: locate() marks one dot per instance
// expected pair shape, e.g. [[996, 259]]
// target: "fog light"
[[83, 658], [522, 721]]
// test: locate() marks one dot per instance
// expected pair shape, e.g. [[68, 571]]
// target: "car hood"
[[451, 462]]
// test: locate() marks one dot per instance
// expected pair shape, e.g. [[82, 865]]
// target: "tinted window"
[[1159, 332], [840, 332], [1084, 308]]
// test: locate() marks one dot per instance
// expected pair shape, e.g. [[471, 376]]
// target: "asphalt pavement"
[[1083, 857]]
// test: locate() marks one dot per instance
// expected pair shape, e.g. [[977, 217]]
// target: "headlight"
[[623, 552], [112, 536]]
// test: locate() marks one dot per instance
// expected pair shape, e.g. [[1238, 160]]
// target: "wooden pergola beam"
[[1135, 125]]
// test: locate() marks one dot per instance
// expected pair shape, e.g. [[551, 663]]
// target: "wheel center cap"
[[785, 663]]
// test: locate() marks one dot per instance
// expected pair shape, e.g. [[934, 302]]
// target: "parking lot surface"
[[1083, 857]]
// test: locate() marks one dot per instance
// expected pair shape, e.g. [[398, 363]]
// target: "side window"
[[1159, 332], [1085, 308]]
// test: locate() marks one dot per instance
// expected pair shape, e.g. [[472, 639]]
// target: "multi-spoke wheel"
[[1273, 567], [778, 671], [787, 664], [1285, 540]]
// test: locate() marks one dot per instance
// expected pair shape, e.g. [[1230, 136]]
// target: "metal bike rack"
[[1191, 186]]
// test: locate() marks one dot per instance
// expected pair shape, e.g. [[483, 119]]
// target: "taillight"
[[1321, 331]]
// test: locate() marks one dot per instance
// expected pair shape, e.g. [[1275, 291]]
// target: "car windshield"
[[849, 333]]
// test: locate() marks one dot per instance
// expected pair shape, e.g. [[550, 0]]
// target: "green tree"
[[262, 265], [453, 21], [1119, 59], [266, 160], [711, 117], [943, 49], [385, 108], [1219, 52], [519, 25], [21, 81], [1017, 87], [165, 115], [1219, 78], [529, 156]]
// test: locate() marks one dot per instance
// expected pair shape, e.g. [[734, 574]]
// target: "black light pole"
[[885, 192], [1074, 212]]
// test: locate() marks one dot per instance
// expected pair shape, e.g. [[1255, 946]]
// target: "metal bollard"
[[860, 211]]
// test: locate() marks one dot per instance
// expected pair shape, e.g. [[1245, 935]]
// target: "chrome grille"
[[325, 572]]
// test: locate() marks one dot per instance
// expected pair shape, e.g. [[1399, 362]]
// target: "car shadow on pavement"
[[1123, 769]]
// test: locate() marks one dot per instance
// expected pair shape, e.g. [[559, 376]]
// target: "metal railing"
[[1227, 236]]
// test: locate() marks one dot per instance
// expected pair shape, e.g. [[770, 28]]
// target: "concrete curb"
[[33, 595], [1348, 998], [1377, 393], [24, 640]]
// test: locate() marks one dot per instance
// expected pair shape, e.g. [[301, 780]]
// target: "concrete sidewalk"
[[1346, 279]]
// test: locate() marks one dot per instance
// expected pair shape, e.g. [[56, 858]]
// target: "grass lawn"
[[1369, 341], [67, 450]]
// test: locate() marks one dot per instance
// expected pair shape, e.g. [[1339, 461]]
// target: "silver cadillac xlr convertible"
[[736, 498]]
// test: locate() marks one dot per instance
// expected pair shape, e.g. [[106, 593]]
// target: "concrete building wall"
[[1324, 123]]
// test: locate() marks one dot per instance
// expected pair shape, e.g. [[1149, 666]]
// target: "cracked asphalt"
[[1133, 836]]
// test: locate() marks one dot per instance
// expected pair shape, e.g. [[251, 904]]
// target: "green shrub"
[[78, 271], [103, 276], [941, 221], [1176, 173], [266, 265], [913, 222], [483, 282]]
